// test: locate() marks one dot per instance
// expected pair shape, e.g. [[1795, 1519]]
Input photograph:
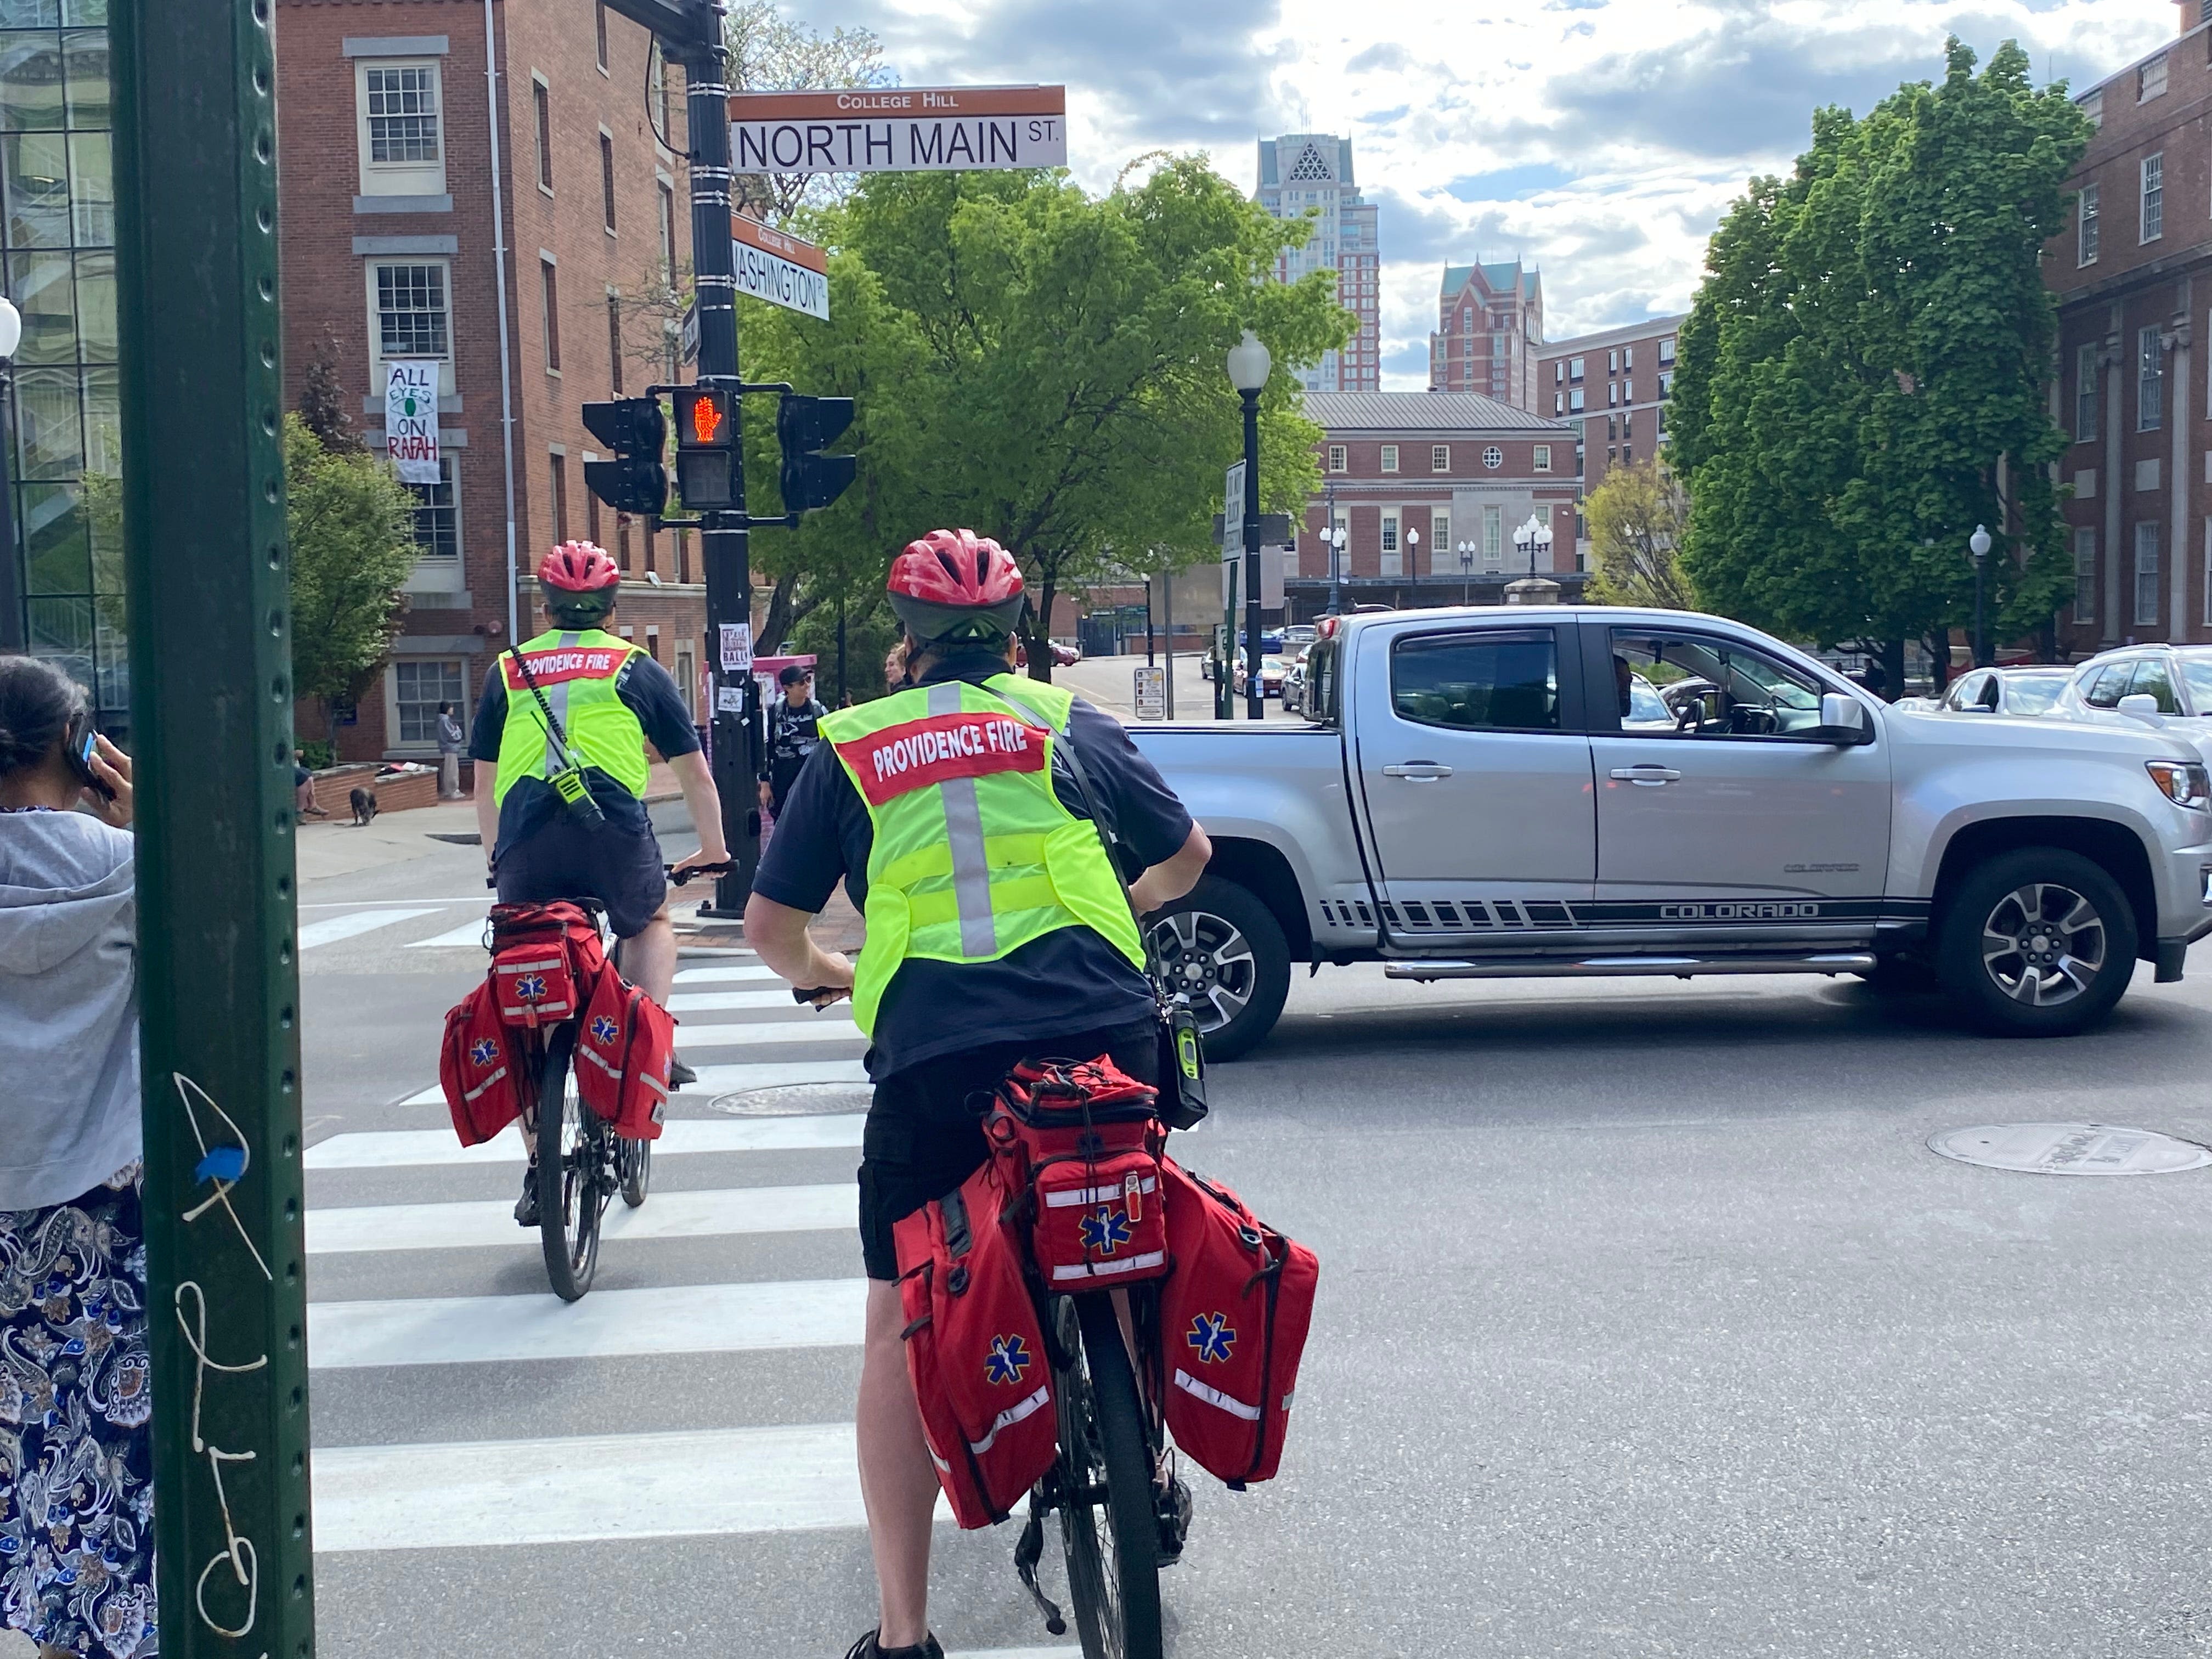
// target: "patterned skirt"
[[77, 1494]]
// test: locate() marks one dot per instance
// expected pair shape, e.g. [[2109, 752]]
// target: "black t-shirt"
[[792, 735], [646, 689], [1070, 980]]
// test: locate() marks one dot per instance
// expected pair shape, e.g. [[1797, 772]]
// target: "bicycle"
[[1123, 1512], [588, 1163]]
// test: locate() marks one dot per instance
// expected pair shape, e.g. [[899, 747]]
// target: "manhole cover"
[[794, 1100], [2078, 1149]]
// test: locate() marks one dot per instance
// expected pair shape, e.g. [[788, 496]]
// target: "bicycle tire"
[[635, 1159], [570, 1193], [1116, 1598]]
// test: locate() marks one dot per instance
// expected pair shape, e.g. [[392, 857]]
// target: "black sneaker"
[[868, 1648], [526, 1207], [679, 1074]]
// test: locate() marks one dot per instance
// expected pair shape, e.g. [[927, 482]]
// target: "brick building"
[[1489, 333], [1414, 477], [2131, 271], [392, 248], [1311, 172]]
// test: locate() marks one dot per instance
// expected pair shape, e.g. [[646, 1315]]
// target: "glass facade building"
[[62, 595]]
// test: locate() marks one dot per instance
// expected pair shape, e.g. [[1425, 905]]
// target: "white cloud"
[[1600, 140]]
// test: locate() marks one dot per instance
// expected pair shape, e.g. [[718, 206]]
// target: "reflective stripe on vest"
[[577, 672], [974, 855]]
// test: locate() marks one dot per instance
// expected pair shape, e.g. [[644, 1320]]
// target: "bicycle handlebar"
[[822, 996], [678, 877]]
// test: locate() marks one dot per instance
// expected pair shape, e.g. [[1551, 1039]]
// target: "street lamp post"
[[1413, 554], [1467, 573], [1978, 543], [1248, 368], [1338, 536]]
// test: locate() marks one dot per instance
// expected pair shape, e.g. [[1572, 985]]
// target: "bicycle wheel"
[[1108, 1528], [572, 1188], [633, 1158]]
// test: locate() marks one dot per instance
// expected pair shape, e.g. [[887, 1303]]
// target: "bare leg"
[[648, 960], [897, 1480]]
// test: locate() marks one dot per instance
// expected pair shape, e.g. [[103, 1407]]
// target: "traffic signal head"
[[803, 426], [634, 481], [706, 418]]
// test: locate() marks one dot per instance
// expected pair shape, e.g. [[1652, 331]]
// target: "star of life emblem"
[[531, 988], [1104, 1230], [1211, 1337], [483, 1051], [1008, 1358], [603, 1029]]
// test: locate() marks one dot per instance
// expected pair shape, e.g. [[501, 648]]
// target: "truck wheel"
[[1224, 949], [2039, 942]]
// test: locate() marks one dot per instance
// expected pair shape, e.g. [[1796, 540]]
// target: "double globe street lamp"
[[1531, 535], [1249, 366], [1979, 544]]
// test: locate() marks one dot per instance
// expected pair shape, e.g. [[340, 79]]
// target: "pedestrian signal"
[[634, 481], [804, 425], [707, 448]]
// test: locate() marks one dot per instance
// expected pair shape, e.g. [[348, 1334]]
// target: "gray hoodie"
[[69, 1008]]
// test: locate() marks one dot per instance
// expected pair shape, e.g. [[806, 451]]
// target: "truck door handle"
[[1417, 771], [1650, 772]]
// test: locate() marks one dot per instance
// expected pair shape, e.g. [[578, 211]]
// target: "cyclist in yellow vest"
[[577, 696], [996, 930]]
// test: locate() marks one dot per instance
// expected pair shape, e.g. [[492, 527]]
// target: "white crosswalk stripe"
[[393, 1149], [331, 929], [729, 1079], [730, 976], [469, 933], [835, 1026], [702, 1002], [666, 1215]]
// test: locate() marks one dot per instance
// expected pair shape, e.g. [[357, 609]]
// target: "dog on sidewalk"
[[364, 805]]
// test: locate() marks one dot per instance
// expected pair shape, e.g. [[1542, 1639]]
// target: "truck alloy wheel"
[[1221, 949], [2037, 942], [1204, 957]]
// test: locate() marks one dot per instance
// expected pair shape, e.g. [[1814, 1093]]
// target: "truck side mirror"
[[1843, 721], [2138, 703]]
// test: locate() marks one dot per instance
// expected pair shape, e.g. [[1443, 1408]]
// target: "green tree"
[[1637, 517], [770, 51], [1862, 375], [1054, 363], [351, 524]]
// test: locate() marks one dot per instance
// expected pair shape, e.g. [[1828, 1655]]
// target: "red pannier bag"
[[975, 1347], [1083, 1142], [1233, 1320], [476, 1069], [622, 1052], [545, 958]]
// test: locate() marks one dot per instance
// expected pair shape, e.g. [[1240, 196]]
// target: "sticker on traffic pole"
[[779, 269], [736, 648], [899, 129]]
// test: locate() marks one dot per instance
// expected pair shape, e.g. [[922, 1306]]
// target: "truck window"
[[1478, 682], [1321, 680], [1711, 687]]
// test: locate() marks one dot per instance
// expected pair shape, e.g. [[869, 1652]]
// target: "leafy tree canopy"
[[351, 524], [1862, 377], [1637, 517]]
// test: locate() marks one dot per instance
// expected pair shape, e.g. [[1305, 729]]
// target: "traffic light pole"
[[724, 543]]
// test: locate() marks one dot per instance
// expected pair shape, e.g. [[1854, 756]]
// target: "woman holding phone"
[[76, 1541]]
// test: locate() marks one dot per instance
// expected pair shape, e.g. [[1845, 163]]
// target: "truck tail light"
[[2184, 782]]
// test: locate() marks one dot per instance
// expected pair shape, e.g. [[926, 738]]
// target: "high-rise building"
[[1303, 172], [1490, 322]]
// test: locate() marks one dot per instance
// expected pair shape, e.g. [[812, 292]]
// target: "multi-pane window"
[[1574, 400], [550, 284], [2085, 221], [1389, 458], [1338, 459], [1440, 458], [1558, 371], [1666, 351], [2146, 573], [1613, 363], [1628, 392], [411, 315], [2154, 197], [1612, 392], [1390, 532], [541, 97], [2150, 381], [1543, 461], [2085, 394], [2085, 573], [2092, 105], [1574, 368], [437, 514], [2150, 79], [1628, 356], [403, 112], [1493, 537], [418, 686], [607, 181]]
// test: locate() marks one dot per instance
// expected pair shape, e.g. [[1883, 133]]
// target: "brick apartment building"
[[2131, 272], [1489, 333], [1412, 476], [391, 248], [1311, 172], [1613, 386]]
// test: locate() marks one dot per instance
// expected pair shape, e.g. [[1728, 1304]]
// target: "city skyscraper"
[[1311, 172], [1490, 321]]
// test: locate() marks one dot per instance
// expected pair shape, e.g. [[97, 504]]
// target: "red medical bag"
[[1233, 1320], [975, 1347], [476, 1069], [1082, 1144], [623, 1053]]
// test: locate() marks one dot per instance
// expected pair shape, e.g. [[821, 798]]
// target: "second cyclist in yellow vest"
[[606, 699], [996, 930]]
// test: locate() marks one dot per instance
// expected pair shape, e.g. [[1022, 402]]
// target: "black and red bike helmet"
[[956, 587]]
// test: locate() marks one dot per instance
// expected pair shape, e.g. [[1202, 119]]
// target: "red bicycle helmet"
[[957, 587], [578, 582]]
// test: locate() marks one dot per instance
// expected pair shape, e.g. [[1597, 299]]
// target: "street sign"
[[1232, 508], [411, 418], [1151, 694], [779, 269], [899, 129]]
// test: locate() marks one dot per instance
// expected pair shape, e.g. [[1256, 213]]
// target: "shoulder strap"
[[544, 709]]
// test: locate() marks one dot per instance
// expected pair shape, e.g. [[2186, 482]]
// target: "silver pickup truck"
[[1501, 792]]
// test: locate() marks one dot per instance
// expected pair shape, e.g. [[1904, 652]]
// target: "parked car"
[[1502, 820], [1271, 669], [2176, 679], [1294, 688], [2022, 691], [1065, 654]]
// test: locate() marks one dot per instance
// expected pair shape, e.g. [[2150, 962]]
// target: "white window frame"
[[1390, 544], [2147, 590], [1628, 392], [376, 317], [2085, 391], [1542, 463], [1340, 458], [2150, 379], [541, 133], [2088, 240], [399, 178], [1627, 358], [449, 475], [1493, 537], [1439, 458], [1613, 363], [1666, 351], [1389, 461], [2150, 202], [1574, 369], [1574, 400], [393, 742], [2150, 79]]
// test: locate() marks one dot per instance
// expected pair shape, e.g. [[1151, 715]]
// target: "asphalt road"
[[1649, 1326]]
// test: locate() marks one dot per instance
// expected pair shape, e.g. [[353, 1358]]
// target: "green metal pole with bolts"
[[211, 717]]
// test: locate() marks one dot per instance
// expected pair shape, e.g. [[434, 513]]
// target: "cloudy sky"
[[1601, 140]]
